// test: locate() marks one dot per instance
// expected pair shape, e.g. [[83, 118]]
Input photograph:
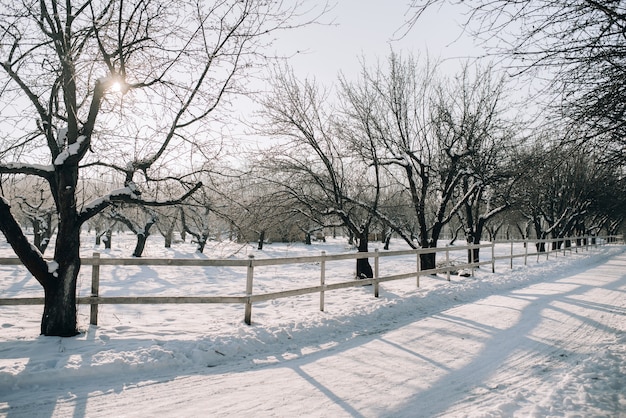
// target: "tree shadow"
[[502, 344], [42, 400]]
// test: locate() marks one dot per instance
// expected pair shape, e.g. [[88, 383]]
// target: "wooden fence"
[[565, 245]]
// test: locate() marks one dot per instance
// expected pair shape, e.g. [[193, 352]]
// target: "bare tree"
[[103, 225], [473, 109], [37, 209], [168, 220], [566, 193], [139, 220], [608, 209], [86, 80], [195, 222], [579, 45], [416, 129], [316, 170]]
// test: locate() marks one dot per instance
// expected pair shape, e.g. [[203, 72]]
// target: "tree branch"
[[29, 255], [128, 194]]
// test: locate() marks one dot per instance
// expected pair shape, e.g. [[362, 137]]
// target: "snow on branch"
[[128, 194], [70, 150], [32, 169]]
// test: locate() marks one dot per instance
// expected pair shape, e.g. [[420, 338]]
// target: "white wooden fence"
[[249, 297]]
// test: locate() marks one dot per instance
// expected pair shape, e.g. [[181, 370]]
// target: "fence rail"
[[571, 244]]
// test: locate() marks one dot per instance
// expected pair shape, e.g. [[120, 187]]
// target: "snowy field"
[[546, 339]]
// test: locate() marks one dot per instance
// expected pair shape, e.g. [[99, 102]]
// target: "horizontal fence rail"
[[563, 245]]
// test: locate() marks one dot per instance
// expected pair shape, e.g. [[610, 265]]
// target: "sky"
[[356, 31], [369, 29]]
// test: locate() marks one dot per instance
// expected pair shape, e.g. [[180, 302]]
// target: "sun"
[[116, 87]]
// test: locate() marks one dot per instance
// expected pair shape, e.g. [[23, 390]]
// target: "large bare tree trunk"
[[59, 314], [363, 267], [428, 261], [141, 244]]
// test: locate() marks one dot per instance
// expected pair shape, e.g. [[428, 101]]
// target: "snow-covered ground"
[[546, 339]]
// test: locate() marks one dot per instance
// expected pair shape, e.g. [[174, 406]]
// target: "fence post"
[[511, 262], [472, 259], [448, 261], [376, 273], [493, 256], [322, 280], [419, 268], [248, 313], [556, 251], [95, 287], [525, 252], [537, 247]]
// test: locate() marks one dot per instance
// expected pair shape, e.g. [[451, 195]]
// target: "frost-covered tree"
[[126, 88], [41, 219], [426, 134], [566, 192], [102, 225], [168, 220], [34, 208], [195, 222], [475, 112]]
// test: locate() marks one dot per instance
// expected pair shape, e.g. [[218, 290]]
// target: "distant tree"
[[167, 221], [42, 217], [264, 211], [495, 224], [103, 225], [312, 166], [567, 190], [195, 222], [139, 220], [605, 190], [126, 88]]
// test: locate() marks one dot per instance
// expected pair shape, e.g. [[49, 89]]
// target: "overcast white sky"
[[365, 28]]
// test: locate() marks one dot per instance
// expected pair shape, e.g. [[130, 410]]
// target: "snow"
[[131, 190], [62, 136], [29, 167], [53, 267], [70, 150], [545, 339]]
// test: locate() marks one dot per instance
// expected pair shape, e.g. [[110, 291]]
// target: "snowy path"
[[556, 347]]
